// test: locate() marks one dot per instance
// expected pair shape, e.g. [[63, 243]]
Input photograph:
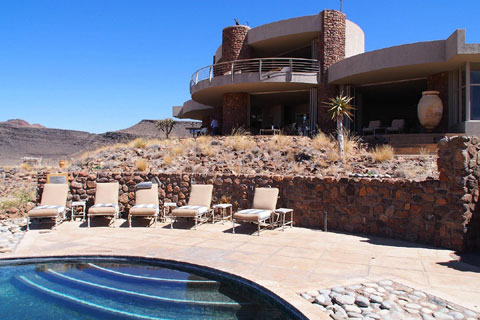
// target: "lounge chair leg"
[[129, 221], [233, 225], [172, 220], [155, 223], [258, 229], [88, 221]]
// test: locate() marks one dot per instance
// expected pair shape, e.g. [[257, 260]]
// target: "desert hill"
[[20, 139]]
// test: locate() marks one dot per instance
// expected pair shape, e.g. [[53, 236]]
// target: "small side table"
[[283, 212], [222, 209], [167, 209], [78, 210]]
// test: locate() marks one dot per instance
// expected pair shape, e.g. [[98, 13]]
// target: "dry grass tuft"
[[26, 166], [279, 142], [240, 143], [142, 165], [176, 150], [323, 142], [383, 153], [351, 144], [138, 143], [168, 159]]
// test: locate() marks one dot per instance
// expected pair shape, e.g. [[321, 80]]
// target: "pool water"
[[107, 289]]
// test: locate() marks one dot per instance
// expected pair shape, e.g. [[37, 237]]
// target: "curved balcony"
[[208, 84]]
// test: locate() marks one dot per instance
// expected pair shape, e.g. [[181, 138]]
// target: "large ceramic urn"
[[430, 109]]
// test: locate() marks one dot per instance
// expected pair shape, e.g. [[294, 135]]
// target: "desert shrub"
[[383, 153], [141, 165], [323, 142], [351, 143]]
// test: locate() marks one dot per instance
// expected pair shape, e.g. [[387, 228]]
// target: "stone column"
[[234, 47], [331, 49], [235, 111]]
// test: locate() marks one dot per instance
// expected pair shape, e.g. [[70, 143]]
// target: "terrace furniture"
[[167, 209], [264, 204], [270, 131], [78, 210], [282, 219], [198, 206], [53, 204], [397, 126], [373, 127], [222, 210], [106, 202], [146, 203]]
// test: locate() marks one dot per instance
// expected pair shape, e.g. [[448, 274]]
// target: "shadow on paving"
[[466, 262]]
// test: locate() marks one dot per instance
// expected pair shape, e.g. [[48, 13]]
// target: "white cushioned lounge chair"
[[264, 204], [198, 206], [106, 202], [146, 204], [53, 204]]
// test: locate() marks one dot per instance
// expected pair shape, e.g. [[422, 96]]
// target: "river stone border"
[[386, 300]]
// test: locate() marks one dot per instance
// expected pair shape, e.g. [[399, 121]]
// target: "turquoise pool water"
[[119, 289]]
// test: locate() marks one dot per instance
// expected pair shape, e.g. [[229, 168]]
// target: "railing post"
[[233, 63], [196, 78], [260, 69], [210, 74], [291, 65]]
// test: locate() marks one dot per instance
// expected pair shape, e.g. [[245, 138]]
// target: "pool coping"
[[295, 304]]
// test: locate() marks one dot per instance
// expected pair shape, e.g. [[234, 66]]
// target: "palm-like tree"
[[339, 108]]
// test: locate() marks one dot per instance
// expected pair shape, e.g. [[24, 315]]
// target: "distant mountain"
[[22, 123], [20, 139]]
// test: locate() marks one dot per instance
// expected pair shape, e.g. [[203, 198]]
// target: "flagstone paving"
[[286, 262]]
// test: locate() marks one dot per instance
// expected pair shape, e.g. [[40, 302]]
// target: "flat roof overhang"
[[409, 61], [211, 93], [191, 110]]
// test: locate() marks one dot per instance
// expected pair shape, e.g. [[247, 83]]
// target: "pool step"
[[149, 278], [81, 302], [54, 275]]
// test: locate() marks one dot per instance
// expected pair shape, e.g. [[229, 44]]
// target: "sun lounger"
[[397, 126], [198, 206], [53, 204], [146, 203], [264, 204], [373, 127], [106, 202]]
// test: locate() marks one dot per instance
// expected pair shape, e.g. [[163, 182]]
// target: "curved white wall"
[[354, 39]]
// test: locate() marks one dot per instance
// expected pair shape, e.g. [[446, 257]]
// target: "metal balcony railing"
[[262, 66]]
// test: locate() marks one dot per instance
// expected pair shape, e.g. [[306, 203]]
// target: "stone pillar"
[[234, 43], [439, 82], [331, 49], [235, 111]]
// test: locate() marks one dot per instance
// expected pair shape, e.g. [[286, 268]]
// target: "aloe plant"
[[339, 108]]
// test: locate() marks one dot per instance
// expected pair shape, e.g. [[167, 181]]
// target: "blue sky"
[[98, 65]]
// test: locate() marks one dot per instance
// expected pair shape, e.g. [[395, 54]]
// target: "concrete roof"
[[405, 61]]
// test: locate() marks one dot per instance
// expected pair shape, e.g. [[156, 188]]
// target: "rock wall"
[[235, 111], [442, 212], [15, 185]]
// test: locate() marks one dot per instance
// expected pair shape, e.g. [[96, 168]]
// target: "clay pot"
[[430, 109], [62, 163]]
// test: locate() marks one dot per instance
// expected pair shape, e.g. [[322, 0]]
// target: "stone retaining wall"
[[443, 212]]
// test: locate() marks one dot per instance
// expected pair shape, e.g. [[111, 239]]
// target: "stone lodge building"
[[279, 75]]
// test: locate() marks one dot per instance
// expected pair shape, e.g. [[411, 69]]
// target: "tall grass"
[[383, 153]]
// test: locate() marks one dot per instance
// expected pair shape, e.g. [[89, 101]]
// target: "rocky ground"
[[276, 155], [385, 300], [11, 232]]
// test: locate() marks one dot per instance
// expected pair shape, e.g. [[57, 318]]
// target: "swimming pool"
[[122, 288]]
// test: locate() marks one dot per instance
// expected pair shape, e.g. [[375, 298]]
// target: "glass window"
[[475, 103], [475, 73]]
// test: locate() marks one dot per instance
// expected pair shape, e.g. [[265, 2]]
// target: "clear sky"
[[100, 65]]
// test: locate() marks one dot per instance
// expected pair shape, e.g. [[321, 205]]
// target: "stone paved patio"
[[287, 263]]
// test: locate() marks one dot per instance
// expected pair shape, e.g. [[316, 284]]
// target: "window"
[[475, 91]]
